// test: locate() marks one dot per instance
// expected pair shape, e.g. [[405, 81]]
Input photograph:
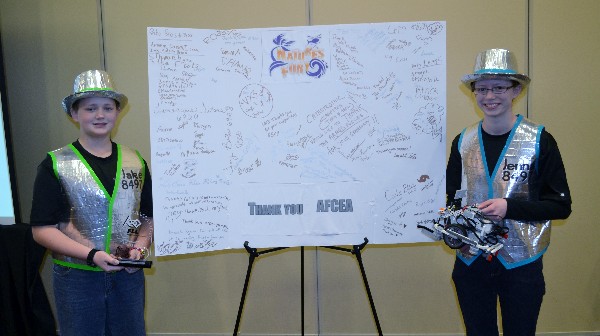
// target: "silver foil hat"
[[93, 83], [495, 64]]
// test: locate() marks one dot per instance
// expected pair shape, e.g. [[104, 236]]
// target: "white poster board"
[[296, 136]]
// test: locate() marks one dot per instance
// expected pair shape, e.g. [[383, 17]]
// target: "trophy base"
[[135, 263]]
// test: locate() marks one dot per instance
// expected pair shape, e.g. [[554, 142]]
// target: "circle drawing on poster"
[[256, 101]]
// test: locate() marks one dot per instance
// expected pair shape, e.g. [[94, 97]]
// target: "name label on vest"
[[515, 171], [131, 179]]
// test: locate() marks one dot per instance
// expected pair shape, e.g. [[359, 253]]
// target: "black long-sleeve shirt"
[[554, 199]]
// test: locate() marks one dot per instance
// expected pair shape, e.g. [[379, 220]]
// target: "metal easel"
[[253, 253]]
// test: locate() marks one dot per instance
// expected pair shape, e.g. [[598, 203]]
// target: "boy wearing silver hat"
[[92, 203], [512, 169]]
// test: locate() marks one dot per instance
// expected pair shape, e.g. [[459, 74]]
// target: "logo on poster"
[[289, 61]]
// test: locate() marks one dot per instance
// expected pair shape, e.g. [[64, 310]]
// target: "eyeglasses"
[[495, 90]]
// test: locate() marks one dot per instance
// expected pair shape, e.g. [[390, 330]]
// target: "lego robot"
[[467, 226]]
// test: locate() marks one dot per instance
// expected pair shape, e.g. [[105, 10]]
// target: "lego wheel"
[[454, 243], [491, 240]]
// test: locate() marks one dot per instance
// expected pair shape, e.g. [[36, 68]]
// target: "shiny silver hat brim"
[[68, 101], [520, 78]]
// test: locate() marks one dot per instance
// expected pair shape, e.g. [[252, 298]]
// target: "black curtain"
[[24, 309]]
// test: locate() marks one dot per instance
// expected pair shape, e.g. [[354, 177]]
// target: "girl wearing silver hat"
[[512, 169], [92, 206]]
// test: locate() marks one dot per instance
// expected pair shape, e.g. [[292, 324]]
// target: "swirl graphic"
[[282, 43], [320, 65]]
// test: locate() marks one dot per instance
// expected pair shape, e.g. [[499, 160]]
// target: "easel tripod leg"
[[302, 288], [356, 251], [252, 256]]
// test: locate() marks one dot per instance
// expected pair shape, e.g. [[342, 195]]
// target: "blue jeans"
[[520, 290], [99, 303]]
